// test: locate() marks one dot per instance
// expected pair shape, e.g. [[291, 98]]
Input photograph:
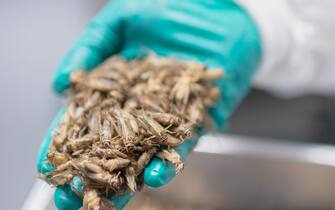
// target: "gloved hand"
[[217, 33]]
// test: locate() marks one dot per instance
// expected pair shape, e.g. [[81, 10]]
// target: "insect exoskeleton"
[[131, 178], [61, 132], [165, 118], [144, 159], [195, 111], [124, 129], [94, 121], [57, 158], [91, 200], [172, 141], [152, 125], [172, 156], [101, 84], [106, 132], [181, 91], [107, 153], [184, 130], [113, 180], [69, 165], [93, 100], [78, 76], [114, 164], [61, 178], [117, 95], [213, 74], [81, 143], [130, 104], [92, 167]]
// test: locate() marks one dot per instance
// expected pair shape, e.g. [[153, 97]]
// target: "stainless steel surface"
[[245, 174], [249, 183]]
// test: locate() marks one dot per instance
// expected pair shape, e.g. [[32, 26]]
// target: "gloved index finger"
[[42, 163], [99, 40], [121, 201]]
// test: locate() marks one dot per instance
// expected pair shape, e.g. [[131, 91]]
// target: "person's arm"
[[298, 43]]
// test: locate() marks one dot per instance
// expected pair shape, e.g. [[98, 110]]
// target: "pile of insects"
[[120, 116]]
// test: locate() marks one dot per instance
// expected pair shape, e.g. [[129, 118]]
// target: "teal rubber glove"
[[218, 33]]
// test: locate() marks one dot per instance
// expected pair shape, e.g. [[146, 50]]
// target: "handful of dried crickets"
[[120, 116]]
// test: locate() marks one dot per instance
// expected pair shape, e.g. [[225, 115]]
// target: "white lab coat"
[[298, 38]]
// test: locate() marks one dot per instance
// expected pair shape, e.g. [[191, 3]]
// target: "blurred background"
[[35, 35]]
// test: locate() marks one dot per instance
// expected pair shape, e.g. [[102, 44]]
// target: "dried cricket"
[[91, 200], [113, 164], [144, 159], [106, 132], [172, 156], [165, 118]]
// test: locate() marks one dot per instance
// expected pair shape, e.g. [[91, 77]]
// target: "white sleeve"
[[298, 39]]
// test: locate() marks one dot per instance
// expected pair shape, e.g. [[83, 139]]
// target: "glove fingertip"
[[66, 199], [61, 82], [158, 173], [122, 200]]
